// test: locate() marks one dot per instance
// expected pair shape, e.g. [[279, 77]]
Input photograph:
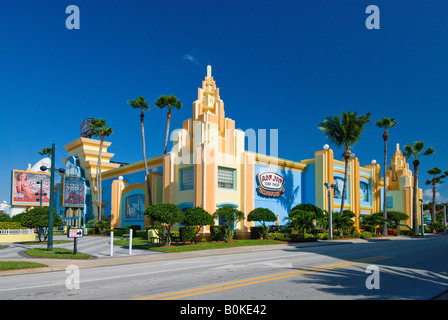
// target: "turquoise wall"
[[284, 203]]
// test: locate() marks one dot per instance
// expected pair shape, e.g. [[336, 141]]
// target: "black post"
[[50, 218], [75, 246]]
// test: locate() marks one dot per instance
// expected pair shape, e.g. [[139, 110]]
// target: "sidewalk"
[[62, 264]]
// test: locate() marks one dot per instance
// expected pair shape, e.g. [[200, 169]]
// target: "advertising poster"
[[74, 191], [25, 185]]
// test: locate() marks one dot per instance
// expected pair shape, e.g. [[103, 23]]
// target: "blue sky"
[[279, 64]]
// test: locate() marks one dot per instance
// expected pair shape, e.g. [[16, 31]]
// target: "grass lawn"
[[57, 253], [140, 243], [15, 265]]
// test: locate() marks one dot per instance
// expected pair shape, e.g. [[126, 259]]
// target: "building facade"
[[208, 166]]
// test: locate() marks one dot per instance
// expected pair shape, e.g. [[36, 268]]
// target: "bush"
[[323, 236], [11, 225], [435, 226], [256, 232], [228, 217], [133, 227], [141, 234], [187, 233], [118, 232], [407, 232], [262, 215], [167, 215], [98, 227], [392, 232], [291, 237], [217, 233], [365, 235]]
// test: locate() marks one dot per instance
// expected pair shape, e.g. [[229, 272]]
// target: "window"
[[389, 202], [135, 206], [364, 192], [187, 178], [226, 178]]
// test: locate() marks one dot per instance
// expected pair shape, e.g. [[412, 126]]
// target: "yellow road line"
[[247, 282]]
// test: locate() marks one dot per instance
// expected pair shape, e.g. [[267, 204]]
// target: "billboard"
[[25, 185], [74, 191]]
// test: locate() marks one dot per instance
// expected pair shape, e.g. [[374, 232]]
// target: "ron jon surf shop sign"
[[270, 184]]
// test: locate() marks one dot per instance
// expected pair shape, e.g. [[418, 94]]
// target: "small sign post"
[[75, 233]]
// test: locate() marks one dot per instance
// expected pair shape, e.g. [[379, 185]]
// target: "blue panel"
[[309, 184], [284, 203]]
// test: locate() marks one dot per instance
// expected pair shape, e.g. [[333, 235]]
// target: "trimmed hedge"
[[187, 233], [291, 237], [217, 233], [11, 225], [256, 232]]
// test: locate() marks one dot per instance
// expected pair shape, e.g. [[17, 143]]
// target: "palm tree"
[[168, 102], [344, 132], [45, 151], [385, 123], [414, 151], [437, 178], [140, 103], [99, 128]]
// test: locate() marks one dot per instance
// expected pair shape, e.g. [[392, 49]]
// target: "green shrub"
[[11, 225], [118, 232], [292, 237], [141, 234], [407, 232], [365, 235], [356, 234], [187, 233], [133, 227], [256, 232], [217, 233], [323, 236], [435, 226], [97, 227]]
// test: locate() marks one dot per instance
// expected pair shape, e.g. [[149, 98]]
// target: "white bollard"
[[111, 243], [130, 241]]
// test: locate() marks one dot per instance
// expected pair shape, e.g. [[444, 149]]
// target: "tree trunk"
[[433, 211], [168, 119], [415, 200], [98, 179], [385, 137], [344, 189], [148, 185]]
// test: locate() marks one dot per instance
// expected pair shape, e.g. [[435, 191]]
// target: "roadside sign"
[[75, 233]]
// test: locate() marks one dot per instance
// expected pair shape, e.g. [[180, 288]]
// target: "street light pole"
[[330, 213], [421, 217], [51, 213], [50, 218], [444, 217]]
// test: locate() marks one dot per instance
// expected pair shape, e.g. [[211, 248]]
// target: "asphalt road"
[[402, 268]]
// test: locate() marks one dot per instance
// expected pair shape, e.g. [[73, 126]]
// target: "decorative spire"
[[209, 71]]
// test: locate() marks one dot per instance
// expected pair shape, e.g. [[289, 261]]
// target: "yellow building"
[[208, 166]]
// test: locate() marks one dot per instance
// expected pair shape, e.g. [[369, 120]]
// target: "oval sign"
[[270, 184]]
